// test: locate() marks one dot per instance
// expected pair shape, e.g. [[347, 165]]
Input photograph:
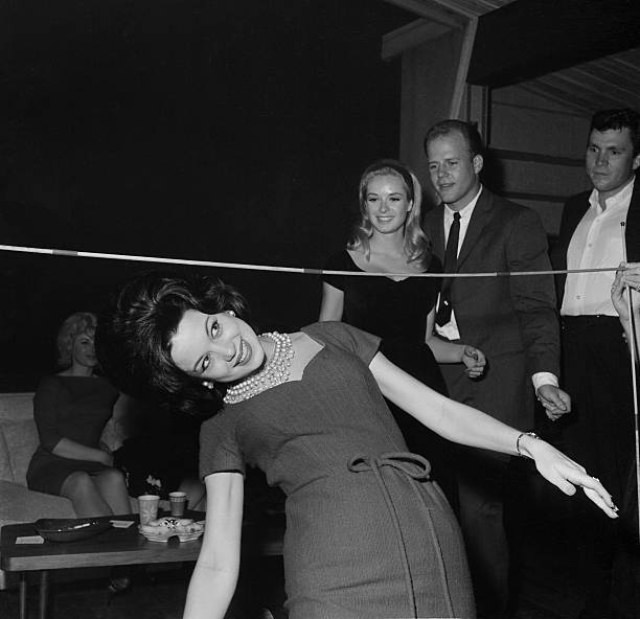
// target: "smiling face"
[[610, 162], [387, 203], [83, 351], [216, 347], [454, 171]]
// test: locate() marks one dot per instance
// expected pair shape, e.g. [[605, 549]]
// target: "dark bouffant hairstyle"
[[469, 131], [605, 120], [133, 339]]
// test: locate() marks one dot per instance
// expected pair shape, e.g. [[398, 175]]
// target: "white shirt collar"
[[622, 198], [466, 212]]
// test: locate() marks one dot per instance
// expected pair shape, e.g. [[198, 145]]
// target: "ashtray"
[[163, 529], [70, 529]]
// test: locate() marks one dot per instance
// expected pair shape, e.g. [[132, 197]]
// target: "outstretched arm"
[[216, 573], [468, 426]]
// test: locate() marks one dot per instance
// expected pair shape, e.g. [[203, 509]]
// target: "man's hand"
[[474, 360], [627, 276], [556, 401]]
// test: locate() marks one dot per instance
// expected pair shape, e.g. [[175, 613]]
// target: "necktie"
[[443, 315]]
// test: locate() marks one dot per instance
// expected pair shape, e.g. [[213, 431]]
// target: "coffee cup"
[[148, 507], [177, 502]]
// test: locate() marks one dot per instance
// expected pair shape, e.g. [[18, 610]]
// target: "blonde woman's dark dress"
[[369, 303]]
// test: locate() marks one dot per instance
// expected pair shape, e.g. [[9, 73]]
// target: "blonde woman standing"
[[388, 238]]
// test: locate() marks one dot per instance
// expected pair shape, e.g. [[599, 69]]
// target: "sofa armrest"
[[19, 504]]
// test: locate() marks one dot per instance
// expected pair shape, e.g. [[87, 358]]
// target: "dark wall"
[[223, 131]]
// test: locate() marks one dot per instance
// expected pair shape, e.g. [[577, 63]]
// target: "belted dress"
[[368, 534]]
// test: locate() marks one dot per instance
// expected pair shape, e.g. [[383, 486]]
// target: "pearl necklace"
[[275, 372]]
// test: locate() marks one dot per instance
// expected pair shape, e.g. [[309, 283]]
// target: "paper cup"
[[178, 502], [148, 507]]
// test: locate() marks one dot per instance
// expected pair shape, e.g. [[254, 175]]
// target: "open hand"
[[566, 474], [475, 361]]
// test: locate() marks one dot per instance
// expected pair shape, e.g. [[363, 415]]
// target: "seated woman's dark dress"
[[397, 311], [73, 407]]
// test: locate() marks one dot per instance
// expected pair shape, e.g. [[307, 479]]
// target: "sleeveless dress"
[[397, 311], [74, 407], [368, 534]]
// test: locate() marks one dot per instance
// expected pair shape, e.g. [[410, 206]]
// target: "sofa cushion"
[[16, 406], [22, 439], [6, 472], [22, 505]]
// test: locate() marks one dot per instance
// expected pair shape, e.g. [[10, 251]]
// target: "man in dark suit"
[[600, 228], [513, 319]]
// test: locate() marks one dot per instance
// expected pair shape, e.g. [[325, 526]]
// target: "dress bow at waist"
[[411, 464]]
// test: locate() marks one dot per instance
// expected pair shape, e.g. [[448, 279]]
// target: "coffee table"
[[116, 546]]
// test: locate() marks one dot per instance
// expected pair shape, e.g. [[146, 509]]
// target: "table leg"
[[23, 595], [44, 594]]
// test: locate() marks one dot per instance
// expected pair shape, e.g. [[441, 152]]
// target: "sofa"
[[18, 441]]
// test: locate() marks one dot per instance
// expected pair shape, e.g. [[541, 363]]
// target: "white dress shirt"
[[597, 242], [450, 330]]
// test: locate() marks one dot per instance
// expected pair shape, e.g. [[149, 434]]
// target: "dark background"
[[214, 130]]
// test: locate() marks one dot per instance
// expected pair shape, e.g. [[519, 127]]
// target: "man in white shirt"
[[512, 319], [600, 228]]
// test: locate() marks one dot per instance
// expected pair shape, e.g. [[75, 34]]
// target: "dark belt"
[[588, 320], [417, 468]]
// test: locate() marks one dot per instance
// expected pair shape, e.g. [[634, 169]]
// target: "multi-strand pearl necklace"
[[275, 372]]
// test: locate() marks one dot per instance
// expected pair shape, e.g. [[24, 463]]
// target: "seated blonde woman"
[[71, 409]]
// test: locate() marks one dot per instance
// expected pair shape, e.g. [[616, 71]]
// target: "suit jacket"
[[513, 320], [572, 214]]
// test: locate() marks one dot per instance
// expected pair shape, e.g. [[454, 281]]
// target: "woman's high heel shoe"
[[119, 584]]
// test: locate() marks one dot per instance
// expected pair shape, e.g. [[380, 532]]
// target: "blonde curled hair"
[[71, 328], [417, 245]]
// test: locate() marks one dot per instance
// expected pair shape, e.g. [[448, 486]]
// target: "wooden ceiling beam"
[[570, 82], [411, 35], [456, 7], [529, 38], [429, 9]]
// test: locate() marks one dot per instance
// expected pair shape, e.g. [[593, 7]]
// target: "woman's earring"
[[231, 313], [208, 384]]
